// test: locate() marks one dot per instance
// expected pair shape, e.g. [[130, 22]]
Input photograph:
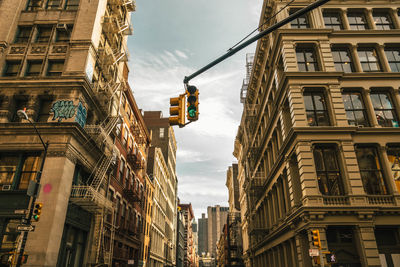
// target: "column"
[[370, 19], [370, 108], [346, 24], [369, 250], [395, 17], [356, 59], [387, 169], [382, 57]]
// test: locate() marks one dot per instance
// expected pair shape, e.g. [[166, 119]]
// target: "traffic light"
[[177, 110], [37, 210], [315, 238], [192, 103]]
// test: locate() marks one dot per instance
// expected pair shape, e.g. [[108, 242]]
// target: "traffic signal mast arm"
[[274, 27]]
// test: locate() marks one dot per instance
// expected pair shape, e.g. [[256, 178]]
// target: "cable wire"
[[268, 19]]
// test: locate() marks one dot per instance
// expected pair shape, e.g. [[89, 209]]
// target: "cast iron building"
[[318, 145], [65, 62]]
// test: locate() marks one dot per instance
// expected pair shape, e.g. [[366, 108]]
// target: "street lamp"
[[22, 114]]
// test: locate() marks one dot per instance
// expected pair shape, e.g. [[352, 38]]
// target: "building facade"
[[216, 220], [319, 138], [148, 208], [203, 234], [64, 63], [180, 238], [190, 252]]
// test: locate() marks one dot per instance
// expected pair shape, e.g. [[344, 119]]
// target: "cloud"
[[181, 54]]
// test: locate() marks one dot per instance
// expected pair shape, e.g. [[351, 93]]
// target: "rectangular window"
[[357, 20], [355, 109], [368, 59], [306, 59], [161, 132], [300, 22], [118, 130], [44, 33], [63, 34], [342, 59], [33, 68], [328, 171], [24, 32], [393, 153], [16, 170], [371, 171], [121, 170], [12, 68], [72, 5], [384, 110], [20, 103], [125, 139], [9, 235], [382, 20], [332, 19], [34, 5], [55, 67], [393, 57], [317, 112], [53, 4]]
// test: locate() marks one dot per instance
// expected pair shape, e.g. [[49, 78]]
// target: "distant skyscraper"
[[216, 219], [203, 234]]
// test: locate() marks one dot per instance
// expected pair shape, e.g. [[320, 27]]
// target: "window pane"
[[33, 68], [43, 35], [319, 102], [23, 34], [329, 178], [29, 169], [12, 68], [8, 166], [382, 20], [371, 174]]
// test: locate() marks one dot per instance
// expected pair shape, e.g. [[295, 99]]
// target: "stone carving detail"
[[38, 49], [17, 50], [59, 49]]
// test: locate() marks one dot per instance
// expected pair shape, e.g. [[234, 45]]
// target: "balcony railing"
[[336, 200], [380, 200], [132, 195], [135, 160], [89, 199]]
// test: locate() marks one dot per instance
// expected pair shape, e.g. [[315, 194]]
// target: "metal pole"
[[32, 198], [255, 38]]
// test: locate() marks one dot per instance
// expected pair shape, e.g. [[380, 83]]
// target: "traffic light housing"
[[316, 238], [177, 110], [192, 103], [37, 210]]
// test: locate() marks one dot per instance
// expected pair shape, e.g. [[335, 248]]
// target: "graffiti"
[[81, 115], [63, 109]]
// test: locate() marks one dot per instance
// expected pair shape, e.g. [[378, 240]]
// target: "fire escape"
[[246, 80], [108, 88], [234, 240]]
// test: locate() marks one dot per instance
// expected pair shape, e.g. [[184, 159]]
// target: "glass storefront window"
[[8, 167]]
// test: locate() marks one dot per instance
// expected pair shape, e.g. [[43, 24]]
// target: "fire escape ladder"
[[101, 167]]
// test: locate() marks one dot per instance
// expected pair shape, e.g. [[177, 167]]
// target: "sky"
[[173, 39]]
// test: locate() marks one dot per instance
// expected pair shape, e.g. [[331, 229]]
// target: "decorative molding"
[[38, 49], [17, 49], [60, 49]]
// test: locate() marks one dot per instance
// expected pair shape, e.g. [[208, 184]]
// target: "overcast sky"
[[171, 40]]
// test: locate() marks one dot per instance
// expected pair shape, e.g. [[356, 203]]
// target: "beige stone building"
[[216, 219], [65, 62], [318, 144]]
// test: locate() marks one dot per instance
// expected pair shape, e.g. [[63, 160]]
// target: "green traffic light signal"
[[192, 103]]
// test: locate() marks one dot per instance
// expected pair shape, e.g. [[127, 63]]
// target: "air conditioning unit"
[[62, 26], [6, 187]]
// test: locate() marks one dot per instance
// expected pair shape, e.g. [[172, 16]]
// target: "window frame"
[[50, 5], [358, 26], [353, 109], [332, 25], [23, 39], [377, 15], [368, 62], [395, 148], [42, 39], [343, 62], [383, 110], [297, 23], [303, 66], [29, 64], [17, 64], [315, 110], [369, 189], [396, 58], [53, 62], [72, 7]]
